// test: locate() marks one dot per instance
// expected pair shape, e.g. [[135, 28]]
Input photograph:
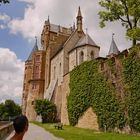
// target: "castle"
[[47, 69]]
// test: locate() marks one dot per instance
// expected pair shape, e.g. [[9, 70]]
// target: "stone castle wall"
[[65, 93], [88, 120]]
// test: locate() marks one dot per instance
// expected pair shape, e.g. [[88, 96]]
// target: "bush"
[[46, 109]]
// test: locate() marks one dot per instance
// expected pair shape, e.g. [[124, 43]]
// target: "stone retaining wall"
[[5, 130]]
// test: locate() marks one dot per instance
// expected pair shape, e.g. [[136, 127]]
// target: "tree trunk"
[[134, 42]]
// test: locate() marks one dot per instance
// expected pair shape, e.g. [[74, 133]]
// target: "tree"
[[4, 1], [46, 109], [126, 11], [9, 109]]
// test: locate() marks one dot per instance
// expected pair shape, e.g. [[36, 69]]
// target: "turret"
[[79, 21], [47, 24], [113, 48], [35, 48]]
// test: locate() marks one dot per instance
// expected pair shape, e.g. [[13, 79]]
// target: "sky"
[[22, 20]]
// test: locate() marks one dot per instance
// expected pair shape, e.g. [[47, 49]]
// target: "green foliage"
[[134, 33], [4, 1], [9, 109], [74, 133], [88, 88], [126, 11], [132, 79], [46, 109]]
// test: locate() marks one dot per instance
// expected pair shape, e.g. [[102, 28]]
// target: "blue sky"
[[22, 20], [15, 42]]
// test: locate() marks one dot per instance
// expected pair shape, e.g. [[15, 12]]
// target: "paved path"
[[37, 133]]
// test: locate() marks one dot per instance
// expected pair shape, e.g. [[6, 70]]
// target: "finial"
[[59, 28], [73, 25], [48, 18], [35, 40], [48, 21], [113, 35]]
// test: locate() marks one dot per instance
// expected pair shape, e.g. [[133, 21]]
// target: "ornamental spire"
[[79, 21]]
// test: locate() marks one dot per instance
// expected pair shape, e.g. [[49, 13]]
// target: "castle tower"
[[113, 48], [79, 21], [33, 81], [45, 34], [27, 77]]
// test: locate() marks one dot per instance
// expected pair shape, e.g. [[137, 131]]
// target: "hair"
[[20, 123]]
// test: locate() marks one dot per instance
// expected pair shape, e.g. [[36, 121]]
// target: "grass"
[[73, 133]]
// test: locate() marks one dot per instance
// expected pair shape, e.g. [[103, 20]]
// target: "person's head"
[[20, 124]]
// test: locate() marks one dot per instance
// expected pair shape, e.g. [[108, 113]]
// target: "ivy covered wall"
[[90, 88], [131, 75]]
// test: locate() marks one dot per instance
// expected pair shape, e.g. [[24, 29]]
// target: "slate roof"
[[35, 48], [86, 40], [113, 48]]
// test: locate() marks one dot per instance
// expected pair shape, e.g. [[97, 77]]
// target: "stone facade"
[[65, 94], [88, 120], [57, 67], [47, 69]]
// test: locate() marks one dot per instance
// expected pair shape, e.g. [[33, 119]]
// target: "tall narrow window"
[[36, 72], [37, 59], [81, 57], [60, 69], [92, 55], [54, 72]]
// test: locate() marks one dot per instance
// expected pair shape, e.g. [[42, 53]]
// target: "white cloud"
[[4, 17], [11, 76], [2, 26], [64, 13]]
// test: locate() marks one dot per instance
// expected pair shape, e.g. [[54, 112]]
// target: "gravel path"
[[37, 133]]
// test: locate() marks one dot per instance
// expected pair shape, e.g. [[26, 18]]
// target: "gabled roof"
[[113, 48], [86, 40], [35, 48]]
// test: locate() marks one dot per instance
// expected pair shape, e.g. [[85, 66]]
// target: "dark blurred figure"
[[21, 126]]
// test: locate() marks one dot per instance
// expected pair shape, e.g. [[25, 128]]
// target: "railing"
[[5, 129]]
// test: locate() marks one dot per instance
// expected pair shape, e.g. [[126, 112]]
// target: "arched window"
[[81, 57], [92, 55]]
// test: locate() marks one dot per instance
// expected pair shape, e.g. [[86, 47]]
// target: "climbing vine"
[[88, 88], [131, 74]]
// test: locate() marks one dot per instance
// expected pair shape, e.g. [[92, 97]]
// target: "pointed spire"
[[35, 48], [36, 41], [86, 35], [48, 21], [79, 21], [79, 12], [113, 47]]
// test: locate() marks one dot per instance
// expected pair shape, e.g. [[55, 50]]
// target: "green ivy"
[[132, 80], [88, 88]]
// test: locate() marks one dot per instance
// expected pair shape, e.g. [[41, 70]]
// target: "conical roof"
[[113, 48], [35, 48], [86, 40], [79, 12]]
